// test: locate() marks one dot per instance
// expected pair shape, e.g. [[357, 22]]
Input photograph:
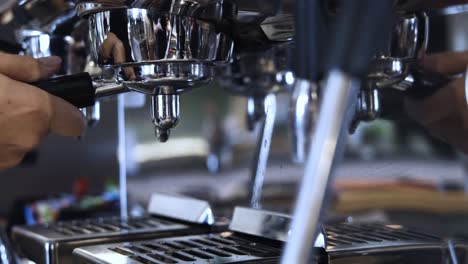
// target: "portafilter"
[[159, 48]]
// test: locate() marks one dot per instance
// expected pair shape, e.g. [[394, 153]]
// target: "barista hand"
[[445, 113], [28, 114]]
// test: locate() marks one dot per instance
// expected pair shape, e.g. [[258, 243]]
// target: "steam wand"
[[360, 28]]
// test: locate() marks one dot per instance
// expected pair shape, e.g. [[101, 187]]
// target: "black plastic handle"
[[76, 89]]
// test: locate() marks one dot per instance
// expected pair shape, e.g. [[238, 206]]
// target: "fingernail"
[[52, 61]]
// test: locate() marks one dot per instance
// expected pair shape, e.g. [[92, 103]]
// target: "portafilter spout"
[[165, 113]]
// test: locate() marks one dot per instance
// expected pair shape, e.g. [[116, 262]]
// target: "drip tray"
[[382, 243], [54, 243], [347, 236], [224, 247]]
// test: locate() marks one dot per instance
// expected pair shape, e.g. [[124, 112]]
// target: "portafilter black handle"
[[77, 89]]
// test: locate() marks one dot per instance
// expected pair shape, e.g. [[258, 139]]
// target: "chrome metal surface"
[[261, 223], [179, 207], [303, 111], [153, 50], [420, 80], [54, 243], [122, 157], [105, 89], [397, 66], [407, 44], [409, 37], [339, 96], [217, 9], [35, 43], [383, 243], [92, 114], [262, 151], [181, 76], [367, 107], [225, 247], [165, 114], [255, 111], [150, 47], [258, 76], [358, 237]]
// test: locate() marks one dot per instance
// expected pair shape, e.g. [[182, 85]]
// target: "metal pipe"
[[262, 152], [122, 156], [339, 97]]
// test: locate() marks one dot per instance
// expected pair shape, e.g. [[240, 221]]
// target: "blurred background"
[[392, 170]]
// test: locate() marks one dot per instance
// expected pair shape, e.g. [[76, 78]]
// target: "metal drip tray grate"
[[345, 236], [102, 226], [218, 248], [54, 243]]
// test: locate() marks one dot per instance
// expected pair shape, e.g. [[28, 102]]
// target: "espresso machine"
[[336, 60]]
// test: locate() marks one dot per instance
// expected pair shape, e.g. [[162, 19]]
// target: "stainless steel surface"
[[261, 223], [106, 88], [92, 114], [384, 243], [140, 40], [180, 207], [165, 114], [303, 111], [395, 67], [246, 243], [153, 52], [368, 106], [35, 43], [224, 247], [178, 7], [339, 96], [259, 76], [54, 243], [263, 150], [122, 157], [407, 44]]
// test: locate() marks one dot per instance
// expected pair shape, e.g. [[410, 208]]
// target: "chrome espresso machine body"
[[257, 49]]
